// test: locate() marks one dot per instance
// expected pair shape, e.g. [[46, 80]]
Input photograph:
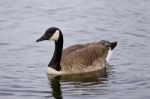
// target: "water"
[[23, 62]]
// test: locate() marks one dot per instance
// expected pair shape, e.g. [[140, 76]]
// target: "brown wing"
[[76, 47], [72, 48], [79, 58]]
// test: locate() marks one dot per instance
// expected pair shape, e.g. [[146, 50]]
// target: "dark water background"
[[23, 62]]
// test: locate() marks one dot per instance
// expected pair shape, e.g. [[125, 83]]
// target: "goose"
[[79, 58]]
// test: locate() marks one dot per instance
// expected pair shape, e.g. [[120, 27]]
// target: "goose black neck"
[[55, 62]]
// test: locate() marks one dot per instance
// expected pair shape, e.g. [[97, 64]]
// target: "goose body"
[[79, 58]]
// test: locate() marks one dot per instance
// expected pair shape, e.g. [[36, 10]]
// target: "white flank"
[[53, 71], [109, 54], [55, 36]]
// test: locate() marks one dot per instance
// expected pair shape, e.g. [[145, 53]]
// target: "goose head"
[[52, 33], [55, 35]]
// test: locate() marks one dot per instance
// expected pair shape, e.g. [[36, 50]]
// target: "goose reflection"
[[56, 87], [78, 80]]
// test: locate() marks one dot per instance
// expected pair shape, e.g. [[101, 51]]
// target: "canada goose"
[[78, 58]]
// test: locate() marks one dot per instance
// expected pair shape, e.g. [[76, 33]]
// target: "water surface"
[[23, 62]]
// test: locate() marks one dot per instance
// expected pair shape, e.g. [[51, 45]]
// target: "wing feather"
[[81, 56]]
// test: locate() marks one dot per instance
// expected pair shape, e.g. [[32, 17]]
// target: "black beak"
[[113, 45], [41, 39]]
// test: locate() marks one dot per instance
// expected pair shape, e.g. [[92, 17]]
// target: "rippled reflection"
[[56, 87], [76, 80]]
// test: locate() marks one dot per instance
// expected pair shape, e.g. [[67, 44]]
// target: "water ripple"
[[23, 63]]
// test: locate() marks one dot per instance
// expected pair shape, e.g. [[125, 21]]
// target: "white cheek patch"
[[55, 36], [109, 54]]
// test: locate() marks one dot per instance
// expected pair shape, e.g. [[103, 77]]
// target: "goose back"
[[83, 57]]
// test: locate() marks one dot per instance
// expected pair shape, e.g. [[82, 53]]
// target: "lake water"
[[23, 62]]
